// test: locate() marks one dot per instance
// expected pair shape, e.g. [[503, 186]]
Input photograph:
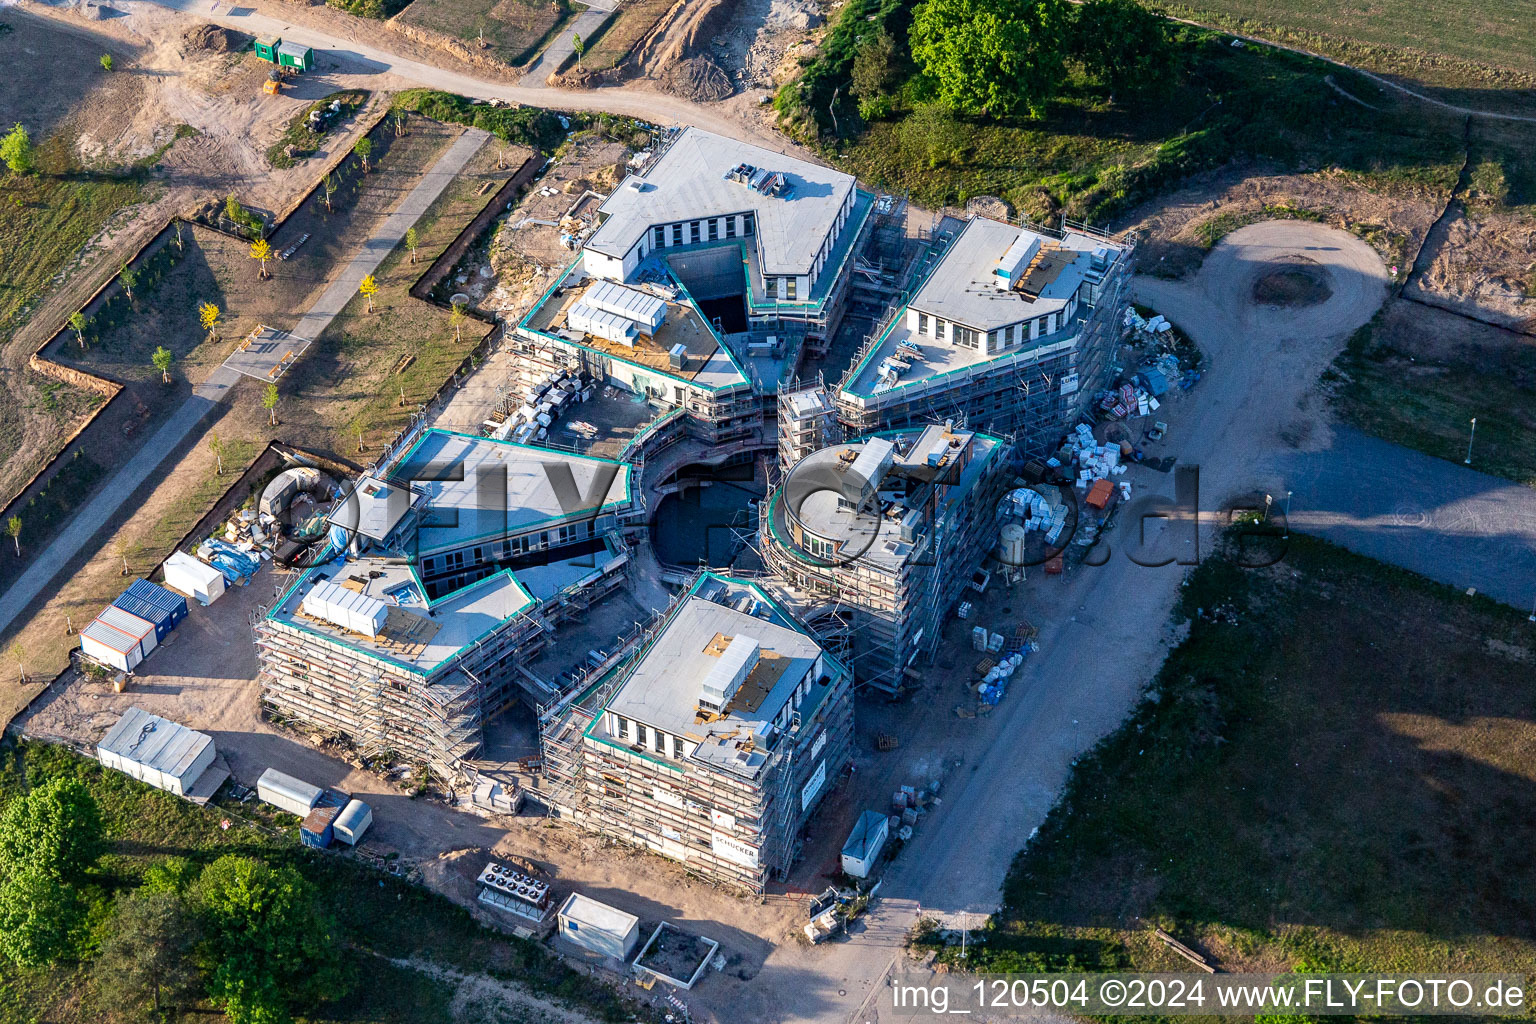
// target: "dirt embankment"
[[1483, 265], [1178, 230]]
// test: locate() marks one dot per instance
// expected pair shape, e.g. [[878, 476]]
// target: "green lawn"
[[1388, 386], [47, 217], [1092, 156], [1301, 785], [1448, 41], [378, 915]]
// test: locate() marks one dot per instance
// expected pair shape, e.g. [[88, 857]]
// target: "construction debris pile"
[[995, 674], [908, 804], [542, 404], [1036, 513]]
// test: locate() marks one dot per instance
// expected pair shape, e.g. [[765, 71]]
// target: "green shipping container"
[[266, 48], [292, 55]]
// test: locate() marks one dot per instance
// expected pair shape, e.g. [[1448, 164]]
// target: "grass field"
[[1398, 380], [514, 31], [1452, 42], [621, 32], [1300, 786], [1093, 157], [380, 918]]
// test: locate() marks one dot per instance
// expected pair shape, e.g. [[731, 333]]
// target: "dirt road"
[[657, 107]]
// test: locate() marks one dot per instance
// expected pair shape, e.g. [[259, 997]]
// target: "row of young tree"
[[1006, 58], [239, 933]]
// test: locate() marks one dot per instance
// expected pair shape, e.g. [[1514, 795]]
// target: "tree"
[[456, 318], [410, 242], [363, 149], [147, 956], [179, 243], [77, 321], [13, 531], [163, 360], [1122, 44], [106, 62], [267, 946], [128, 278], [261, 251], [369, 288], [56, 828], [878, 68], [16, 150], [120, 548], [579, 47], [50, 837], [269, 403], [329, 185], [208, 316], [216, 445], [995, 57], [18, 655]]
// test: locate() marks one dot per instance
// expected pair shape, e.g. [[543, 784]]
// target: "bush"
[[528, 126]]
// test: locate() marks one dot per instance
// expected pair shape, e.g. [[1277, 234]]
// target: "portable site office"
[[296, 56], [153, 604], [193, 577], [266, 48], [157, 751], [118, 639]]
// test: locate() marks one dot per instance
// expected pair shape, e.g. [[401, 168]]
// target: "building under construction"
[[453, 570], [710, 737], [880, 537], [1005, 328], [713, 271]]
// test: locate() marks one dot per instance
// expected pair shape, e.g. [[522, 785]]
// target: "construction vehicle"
[[273, 84]]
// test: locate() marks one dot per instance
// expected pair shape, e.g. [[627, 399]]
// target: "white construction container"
[[352, 822], [118, 638], [287, 793], [346, 608], [157, 751], [646, 310], [602, 323], [598, 927], [865, 843], [194, 578]]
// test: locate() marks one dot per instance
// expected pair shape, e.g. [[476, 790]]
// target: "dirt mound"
[[1292, 286], [698, 79], [213, 39]]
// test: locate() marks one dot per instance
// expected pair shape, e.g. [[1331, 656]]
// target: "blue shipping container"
[[317, 831], [153, 604]]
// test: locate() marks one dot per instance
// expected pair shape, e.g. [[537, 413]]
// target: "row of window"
[[997, 340], [454, 561], [623, 727], [712, 229]]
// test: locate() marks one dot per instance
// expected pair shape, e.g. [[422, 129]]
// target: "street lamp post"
[[1287, 533], [1470, 438]]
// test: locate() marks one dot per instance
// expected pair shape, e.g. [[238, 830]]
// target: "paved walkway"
[[1436, 518], [81, 531], [563, 45]]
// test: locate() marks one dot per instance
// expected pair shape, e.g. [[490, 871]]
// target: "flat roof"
[[963, 289], [589, 913], [663, 688], [928, 359], [157, 743], [489, 489], [707, 362], [688, 182], [373, 508], [418, 634]]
